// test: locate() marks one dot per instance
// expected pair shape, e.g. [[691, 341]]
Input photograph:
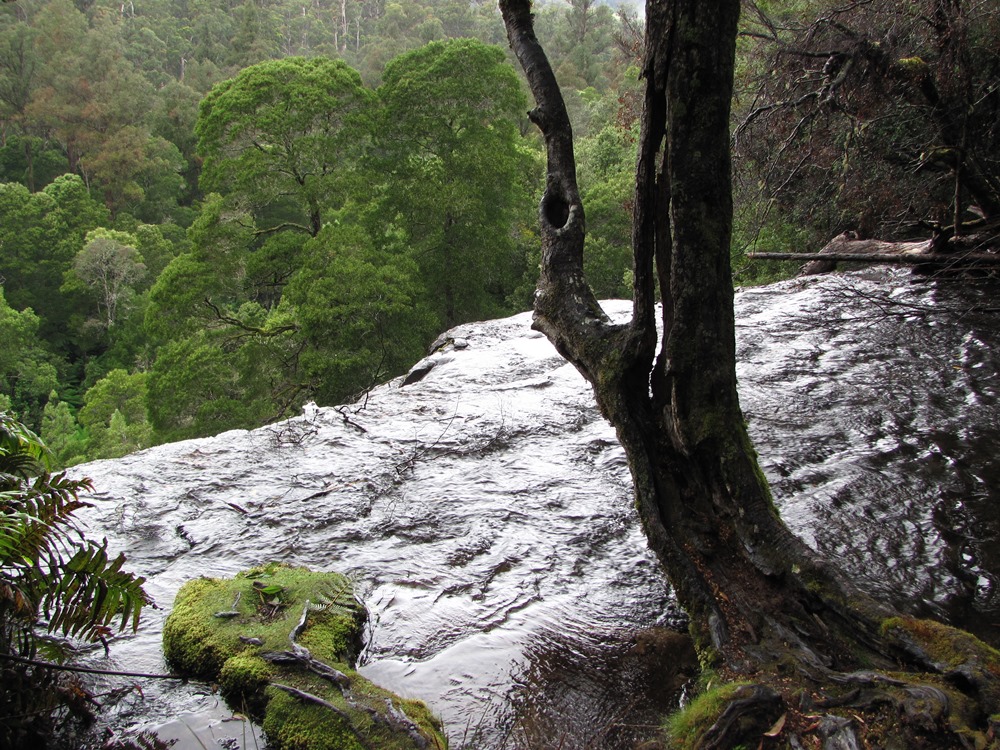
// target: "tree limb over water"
[[955, 253], [763, 605]]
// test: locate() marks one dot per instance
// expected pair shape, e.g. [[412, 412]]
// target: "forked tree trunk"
[[705, 505], [757, 596]]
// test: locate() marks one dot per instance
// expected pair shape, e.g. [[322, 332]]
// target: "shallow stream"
[[485, 512]]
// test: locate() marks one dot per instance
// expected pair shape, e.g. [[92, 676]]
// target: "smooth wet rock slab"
[[484, 511]]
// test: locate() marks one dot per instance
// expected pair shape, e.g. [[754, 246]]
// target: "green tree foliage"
[[282, 137], [27, 370], [158, 244], [196, 387], [65, 439], [114, 415], [173, 118], [117, 285], [110, 266], [177, 300], [88, 92], [30, 160], [220, 360], [360, 313], [581, 33], [40, 234], [296, 286], [139, 174], [257, 36], [459, 174], [52, 583], [24, 158], [589, 57], [401, 26], [347, 227], [607, 184]]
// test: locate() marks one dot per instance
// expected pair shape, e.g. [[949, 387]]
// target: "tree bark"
[[757, 596], [704, 503]]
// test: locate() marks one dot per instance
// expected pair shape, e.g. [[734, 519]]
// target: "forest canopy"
[[213, 213]]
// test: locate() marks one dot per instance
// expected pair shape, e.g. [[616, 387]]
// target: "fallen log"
[[917, 259], [847, 247]]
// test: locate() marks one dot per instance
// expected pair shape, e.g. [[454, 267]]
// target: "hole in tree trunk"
[[555, 210]]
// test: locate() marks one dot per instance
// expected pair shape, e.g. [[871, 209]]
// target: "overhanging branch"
[[566, 310], [284, 225]]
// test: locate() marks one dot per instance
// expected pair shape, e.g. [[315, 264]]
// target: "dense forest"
[[214, 211]]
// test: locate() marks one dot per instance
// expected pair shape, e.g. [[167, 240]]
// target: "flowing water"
[[484, 511]]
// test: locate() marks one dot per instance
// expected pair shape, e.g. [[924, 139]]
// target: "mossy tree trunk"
[[705, 505], [757, 595]]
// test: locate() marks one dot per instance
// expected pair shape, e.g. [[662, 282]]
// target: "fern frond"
[[15, 467], [48, 567], [17, 440], [38, 524], [92, 592], [338, 597]]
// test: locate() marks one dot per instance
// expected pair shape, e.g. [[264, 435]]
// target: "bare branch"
[[237, 323], [284, 225]]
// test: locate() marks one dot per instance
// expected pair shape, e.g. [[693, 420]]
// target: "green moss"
[[950, 649], [708, 657], [746, 444], [948, 646], [292, 725], [243, 679], [260, 608], [913, 66], [190, 644], [686, 727], [336, 638], [197, 642]]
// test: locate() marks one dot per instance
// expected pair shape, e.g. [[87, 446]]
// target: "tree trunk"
[[29, 160], [342, 29], [757, 596], [848, 244], [705, 505]]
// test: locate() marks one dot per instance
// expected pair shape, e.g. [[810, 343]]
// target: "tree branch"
[[566, 310], [89, 670], [987, 259], [237, 323], [316, 700], [284, 225]]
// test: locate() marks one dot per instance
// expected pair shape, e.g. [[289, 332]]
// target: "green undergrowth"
[[956, 704], [220, 628], [686, 727], [198, 637]]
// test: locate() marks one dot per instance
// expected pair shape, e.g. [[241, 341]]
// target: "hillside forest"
[[215, 211]]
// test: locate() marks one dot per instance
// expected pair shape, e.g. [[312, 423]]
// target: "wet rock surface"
[[484, 511]]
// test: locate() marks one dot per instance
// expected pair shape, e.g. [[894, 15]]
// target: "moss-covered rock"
[[264, 636], [243, 681]]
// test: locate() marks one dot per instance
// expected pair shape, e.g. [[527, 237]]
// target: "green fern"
[[142, 741], [52, 579], [338, 598]]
